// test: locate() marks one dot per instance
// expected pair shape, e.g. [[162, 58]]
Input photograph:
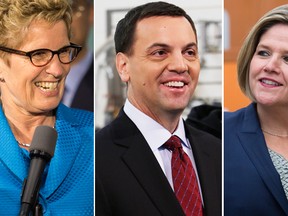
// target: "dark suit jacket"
[[130, 181], [206, 117], [84, 96], [252, 185]]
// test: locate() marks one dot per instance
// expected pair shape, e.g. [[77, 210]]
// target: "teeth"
[[174, 84], [47, 86], [269, 82]]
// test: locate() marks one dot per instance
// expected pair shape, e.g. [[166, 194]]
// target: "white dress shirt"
[[156, 135]]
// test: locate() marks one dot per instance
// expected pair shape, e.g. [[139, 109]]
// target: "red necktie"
[[184, 179]]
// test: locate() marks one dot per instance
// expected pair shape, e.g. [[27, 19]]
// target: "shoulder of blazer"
[[119, 128], [75, 116], [193, 133], [238, 115]]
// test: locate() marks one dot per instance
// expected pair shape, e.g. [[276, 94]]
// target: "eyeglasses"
[[42, 57]]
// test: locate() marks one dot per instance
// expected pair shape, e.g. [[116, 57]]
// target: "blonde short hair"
[[271, 18], [17, 15]]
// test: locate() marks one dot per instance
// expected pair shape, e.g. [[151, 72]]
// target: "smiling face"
[[35, 89], [162, 71], [268, 77]]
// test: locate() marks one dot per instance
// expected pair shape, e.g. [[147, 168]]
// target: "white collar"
[[154, 133]]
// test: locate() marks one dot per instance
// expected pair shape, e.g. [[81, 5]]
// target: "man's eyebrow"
[[163, 45], [193, 44], [158, 45]]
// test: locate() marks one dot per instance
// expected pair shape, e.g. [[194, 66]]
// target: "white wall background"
[[198, 10], [209, 89]]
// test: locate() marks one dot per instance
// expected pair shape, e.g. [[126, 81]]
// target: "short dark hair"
[[125, 30]]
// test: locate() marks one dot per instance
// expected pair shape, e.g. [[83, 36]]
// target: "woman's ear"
[[122, 66], [3, 68]]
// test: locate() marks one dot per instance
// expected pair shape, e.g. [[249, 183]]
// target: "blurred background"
[[239, 17], [110, 91]]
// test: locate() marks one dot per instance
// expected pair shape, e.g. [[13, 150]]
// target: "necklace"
[[23, 144], [277, 135], [26, 144]]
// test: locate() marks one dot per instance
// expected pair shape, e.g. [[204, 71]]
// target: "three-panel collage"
[[143, 108]]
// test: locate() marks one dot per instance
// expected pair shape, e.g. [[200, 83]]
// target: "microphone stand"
[[41, 151], [38, 210], [29, 198]]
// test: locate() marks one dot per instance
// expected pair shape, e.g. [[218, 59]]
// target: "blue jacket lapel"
[[252, 140], [67, 148], [10, 153]]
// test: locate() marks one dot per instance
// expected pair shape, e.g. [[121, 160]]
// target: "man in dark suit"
[[79, 85], [157, 56]]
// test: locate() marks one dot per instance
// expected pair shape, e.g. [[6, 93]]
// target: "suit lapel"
[[144, 166], [10, 153], [252, 140], [67, 148], [207, 156]]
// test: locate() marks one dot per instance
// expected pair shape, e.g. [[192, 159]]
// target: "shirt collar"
[[154, 133]]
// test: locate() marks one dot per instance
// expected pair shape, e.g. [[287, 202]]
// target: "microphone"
[[41, 151]]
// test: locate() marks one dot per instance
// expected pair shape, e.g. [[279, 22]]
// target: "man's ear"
[[122, 66]]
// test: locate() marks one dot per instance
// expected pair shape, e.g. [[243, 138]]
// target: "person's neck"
[[273, 119], [168, 120], [23, 123]]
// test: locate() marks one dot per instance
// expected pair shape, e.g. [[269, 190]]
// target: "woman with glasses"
[[35, 58]]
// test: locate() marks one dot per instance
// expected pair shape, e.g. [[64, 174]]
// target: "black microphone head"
[[44, 139]]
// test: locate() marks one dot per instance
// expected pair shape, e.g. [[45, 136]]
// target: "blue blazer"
[[252, 185], [67, 185]]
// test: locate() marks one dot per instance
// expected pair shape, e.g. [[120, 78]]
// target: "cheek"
[[194, 70], [24, 72], [255, 67], [21, 78], [142, 74], [66, 69]]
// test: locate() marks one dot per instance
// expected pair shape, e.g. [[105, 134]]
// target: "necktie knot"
[[184, 179], [173, 143]]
